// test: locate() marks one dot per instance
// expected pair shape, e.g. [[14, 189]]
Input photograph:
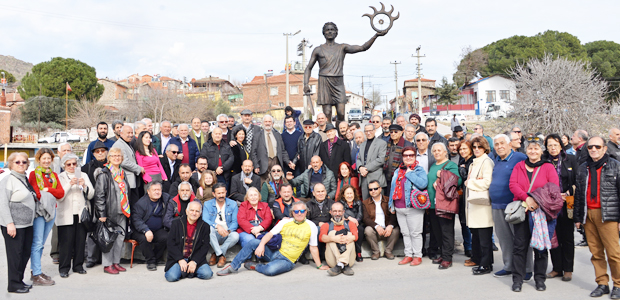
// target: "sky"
[[242, 39]]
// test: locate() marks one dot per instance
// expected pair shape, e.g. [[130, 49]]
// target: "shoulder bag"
[[515, 211]]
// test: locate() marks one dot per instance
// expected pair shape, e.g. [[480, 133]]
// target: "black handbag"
[[105, 235], [86, 218]]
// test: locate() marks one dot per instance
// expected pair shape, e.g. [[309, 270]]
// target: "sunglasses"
[[276, 171], [408, 155], [219, 214], [71, 164], [533, 139], [394, 131], [517, 131], [373, 189], [376, 121], [299, 211], [21, 162], [421, 140], [174, 152], [477, 147], [222, 121], [100, 151], [598, 147]]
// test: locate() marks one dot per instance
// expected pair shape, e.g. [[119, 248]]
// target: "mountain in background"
[[17, 67]]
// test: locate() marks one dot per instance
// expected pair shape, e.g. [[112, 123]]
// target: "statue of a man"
[[330, 56]]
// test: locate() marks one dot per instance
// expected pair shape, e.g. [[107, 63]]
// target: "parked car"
[[60, 137], [459, 117], [366, 117], [355, 114]]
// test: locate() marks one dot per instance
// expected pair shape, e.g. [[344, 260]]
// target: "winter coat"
[[213, 153], [609, 191], [107, 202], [340, 152], [306, 149], [479, 179], [247, 213], [316, 214], [417, 178], [173, 209], [303, 182], [176, 242], [141, 212]]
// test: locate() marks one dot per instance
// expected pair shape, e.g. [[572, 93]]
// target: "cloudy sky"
[[243, 39]]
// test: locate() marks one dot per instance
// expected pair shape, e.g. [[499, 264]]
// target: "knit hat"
[[415, 116], [99, 144]]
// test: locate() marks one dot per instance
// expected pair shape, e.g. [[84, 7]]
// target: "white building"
[[479, 94]]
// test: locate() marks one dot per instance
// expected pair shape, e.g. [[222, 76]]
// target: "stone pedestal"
[[5, 125]]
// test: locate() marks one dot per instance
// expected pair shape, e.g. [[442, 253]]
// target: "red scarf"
[[402, 170]]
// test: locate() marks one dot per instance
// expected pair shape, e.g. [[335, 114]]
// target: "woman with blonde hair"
[[208, 179], [254, 217]]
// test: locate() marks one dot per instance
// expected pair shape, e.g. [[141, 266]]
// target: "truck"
[[499, 109], [60, 137], [355, 114]]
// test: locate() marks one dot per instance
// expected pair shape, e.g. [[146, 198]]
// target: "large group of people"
[[317, 188]]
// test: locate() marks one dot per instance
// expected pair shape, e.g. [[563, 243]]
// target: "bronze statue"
[[331, 55]]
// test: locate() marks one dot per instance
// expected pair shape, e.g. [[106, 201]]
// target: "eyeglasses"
[[174, 152], [21, 162], [516, 131], [308, 126], [598, 147], [408, 155], [373, 189], [71, 164], [376, 121], [299, 211], [222, 121], [529, 139], [421, 140], [394, 131], [276, 171], [100, 151]]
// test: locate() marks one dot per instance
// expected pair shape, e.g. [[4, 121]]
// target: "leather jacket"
[[306, 149], [107, 202]]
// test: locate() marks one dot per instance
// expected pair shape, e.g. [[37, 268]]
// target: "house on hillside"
[[215, 88], [265, 93]]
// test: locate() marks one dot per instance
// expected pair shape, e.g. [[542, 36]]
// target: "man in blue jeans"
[[221, 214], [297, 233], [188, 245]]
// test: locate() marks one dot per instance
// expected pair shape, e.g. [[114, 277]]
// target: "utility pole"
[[395, 63], [419, 80], [302, 47], [39, 118], [286, 66]]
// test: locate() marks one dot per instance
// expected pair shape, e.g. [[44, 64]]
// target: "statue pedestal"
[[5, 125]]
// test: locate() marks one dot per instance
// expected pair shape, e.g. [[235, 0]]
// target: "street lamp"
[[286, 67]]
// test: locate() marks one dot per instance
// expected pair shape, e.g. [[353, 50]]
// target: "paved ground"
[[381, 279]]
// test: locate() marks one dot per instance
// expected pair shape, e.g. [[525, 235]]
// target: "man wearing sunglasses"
[[221, 214], [297, 234], [480, 130], [376, 122], [308, 145], [222, 123], [597, 209], [380, 222], [170, 163]]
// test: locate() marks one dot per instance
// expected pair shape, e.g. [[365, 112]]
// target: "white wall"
[[495, 83]]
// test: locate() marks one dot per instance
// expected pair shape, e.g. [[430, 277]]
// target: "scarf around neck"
[[536, 164], [119, 177], [402, 170], [593, 166], [44, 174]]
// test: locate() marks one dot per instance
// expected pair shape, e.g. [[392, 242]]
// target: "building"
[[215, 88], [410, 91], [355, 101], [478, 94], [265, 93], [114, 93]]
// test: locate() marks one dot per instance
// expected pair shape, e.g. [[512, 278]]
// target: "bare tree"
[[374, 99], [86, 114], [556, 95]]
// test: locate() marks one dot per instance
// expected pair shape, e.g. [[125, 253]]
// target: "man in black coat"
[[171, 163], [578, 140], [334, 151], [188, 245], [612, 146], [147, 222], [597, 209], [185, 174], [308, 145], [219, 156], [241, 182]]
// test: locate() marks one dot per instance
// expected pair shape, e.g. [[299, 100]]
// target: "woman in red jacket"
[[254, 217], [347, 177], [527, 176], [43, 179]]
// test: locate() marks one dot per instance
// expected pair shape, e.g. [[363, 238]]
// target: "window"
[[313, 89], [164, 84], [281, 104], [294, 89], [273, 91], [490, 96], [504, 95]]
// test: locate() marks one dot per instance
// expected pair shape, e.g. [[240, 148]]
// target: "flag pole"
[[66, 106]]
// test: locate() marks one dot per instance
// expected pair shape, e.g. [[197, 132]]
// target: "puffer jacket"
[[107, 203], [306, 149], [609, 190], [316, 214]]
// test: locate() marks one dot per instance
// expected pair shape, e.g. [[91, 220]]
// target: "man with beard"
[[269, 149], [415, 120], [241, 182], [339, 239], [102, 135], [343, 127], [100, 151], [177, 205], [221, 214], [116, 128]]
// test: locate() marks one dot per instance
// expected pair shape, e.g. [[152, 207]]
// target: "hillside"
[[17, 67]]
